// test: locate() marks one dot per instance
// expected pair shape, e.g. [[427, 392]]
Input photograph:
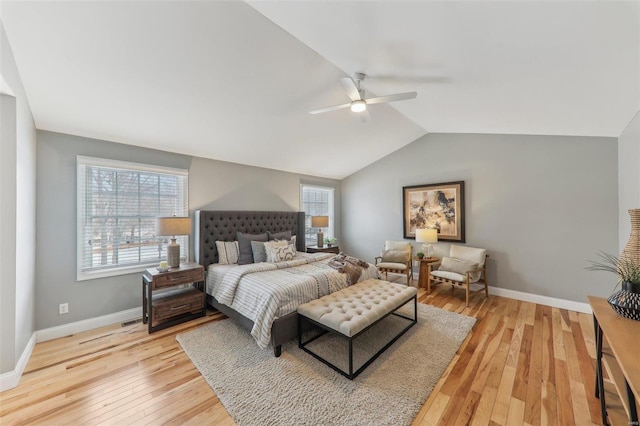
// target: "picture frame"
[[437, 205]]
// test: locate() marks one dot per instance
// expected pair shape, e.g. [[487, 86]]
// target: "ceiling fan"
[[358, 102]]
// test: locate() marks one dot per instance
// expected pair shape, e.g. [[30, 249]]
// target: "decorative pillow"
[[458, 266], [259, 251], [270, 247], [228, 252], [284, 235], [394, 256], [244, 244], [292, 241], [282, 253]]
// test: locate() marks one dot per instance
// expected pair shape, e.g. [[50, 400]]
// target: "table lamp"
[[172, 226], [320, 222], [426, 237]]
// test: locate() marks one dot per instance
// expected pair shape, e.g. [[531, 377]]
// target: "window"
[[118, 203], [317, 201]]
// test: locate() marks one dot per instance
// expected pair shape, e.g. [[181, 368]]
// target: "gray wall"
[[212, 185], [17, 214], [628, 175], [219, 185], [541, 205], [8, 357]]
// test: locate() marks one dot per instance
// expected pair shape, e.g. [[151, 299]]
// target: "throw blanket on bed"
[[349, 265]]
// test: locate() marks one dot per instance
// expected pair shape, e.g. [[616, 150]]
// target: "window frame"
[[83, 274], [330, 231]]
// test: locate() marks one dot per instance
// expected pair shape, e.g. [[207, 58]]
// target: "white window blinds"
[[118, 203], [317, 201]]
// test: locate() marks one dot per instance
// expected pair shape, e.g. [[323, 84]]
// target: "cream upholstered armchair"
[[396, 258], [463, 267]]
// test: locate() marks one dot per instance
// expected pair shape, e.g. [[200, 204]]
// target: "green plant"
[[627, 270], [330, 240], [420, 255]]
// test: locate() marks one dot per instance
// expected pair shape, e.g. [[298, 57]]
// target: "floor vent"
[[135, 321]]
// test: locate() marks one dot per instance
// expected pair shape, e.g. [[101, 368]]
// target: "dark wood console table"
[[617, 352]]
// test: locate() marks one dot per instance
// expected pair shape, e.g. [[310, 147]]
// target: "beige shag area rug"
[[257, 388]]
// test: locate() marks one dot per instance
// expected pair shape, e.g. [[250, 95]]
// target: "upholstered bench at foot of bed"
[[353, 310]]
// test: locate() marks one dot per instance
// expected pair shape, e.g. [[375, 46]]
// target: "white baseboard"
[[88, 324], [542, 300], [11, 379], [536, 298]]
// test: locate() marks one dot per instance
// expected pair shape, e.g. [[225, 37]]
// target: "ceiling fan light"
[[358, 106]]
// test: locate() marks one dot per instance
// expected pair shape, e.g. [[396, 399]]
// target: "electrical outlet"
[[63, 308]]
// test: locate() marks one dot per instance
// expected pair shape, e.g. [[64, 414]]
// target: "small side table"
[[325, 249], [182, 297], [424, 270]]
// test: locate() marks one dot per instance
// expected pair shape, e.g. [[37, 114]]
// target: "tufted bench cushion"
[[354, 308]]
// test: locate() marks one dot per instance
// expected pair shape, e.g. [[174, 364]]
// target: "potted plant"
[[420, 255], [330, 241], [626, 300]]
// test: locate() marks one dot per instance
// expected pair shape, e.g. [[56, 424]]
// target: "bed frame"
[[222, 225]]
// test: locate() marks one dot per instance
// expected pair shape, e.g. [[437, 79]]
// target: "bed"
[[255, 281]]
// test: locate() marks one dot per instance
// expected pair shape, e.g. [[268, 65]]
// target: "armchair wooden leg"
[[428, 284], [467, 299], [486, 290]]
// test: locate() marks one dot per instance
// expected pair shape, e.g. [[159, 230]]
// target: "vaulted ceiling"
[[234, 81]]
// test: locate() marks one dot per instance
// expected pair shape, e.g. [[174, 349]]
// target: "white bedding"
[[264, 292]]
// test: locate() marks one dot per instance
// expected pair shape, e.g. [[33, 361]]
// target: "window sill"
[[112, 272]]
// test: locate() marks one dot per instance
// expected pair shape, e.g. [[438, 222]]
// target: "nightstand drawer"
[[176, 303], [177, 278]]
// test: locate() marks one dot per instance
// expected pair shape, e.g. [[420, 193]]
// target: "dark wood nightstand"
[[325, 249], [424, 270], [172, 297]]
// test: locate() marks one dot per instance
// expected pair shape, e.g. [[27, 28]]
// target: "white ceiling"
[[220, 80]]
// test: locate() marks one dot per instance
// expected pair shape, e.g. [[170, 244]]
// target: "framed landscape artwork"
[[439, 205]]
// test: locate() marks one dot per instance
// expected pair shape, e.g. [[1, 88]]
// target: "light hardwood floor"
[[523, 363]]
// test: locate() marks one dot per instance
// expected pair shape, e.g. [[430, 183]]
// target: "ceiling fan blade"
[[364, 116], [350, 88], [409, 79], [331, 108], [391, 98]]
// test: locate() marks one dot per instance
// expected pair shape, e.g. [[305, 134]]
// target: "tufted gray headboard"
[[222, 225]]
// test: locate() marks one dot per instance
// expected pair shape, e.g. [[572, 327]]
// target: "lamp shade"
[[319, 221], [170, 226], [427, 235]]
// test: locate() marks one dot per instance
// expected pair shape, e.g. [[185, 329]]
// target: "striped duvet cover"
[[264, 292]]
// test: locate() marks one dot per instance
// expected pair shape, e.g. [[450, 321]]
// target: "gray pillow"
[[395, 256], [244, 244], [459, 266], [284, 235], [259, 251]]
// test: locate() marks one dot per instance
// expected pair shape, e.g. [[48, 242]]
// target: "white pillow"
[[270, 247], [228, 252], [280, 254]]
